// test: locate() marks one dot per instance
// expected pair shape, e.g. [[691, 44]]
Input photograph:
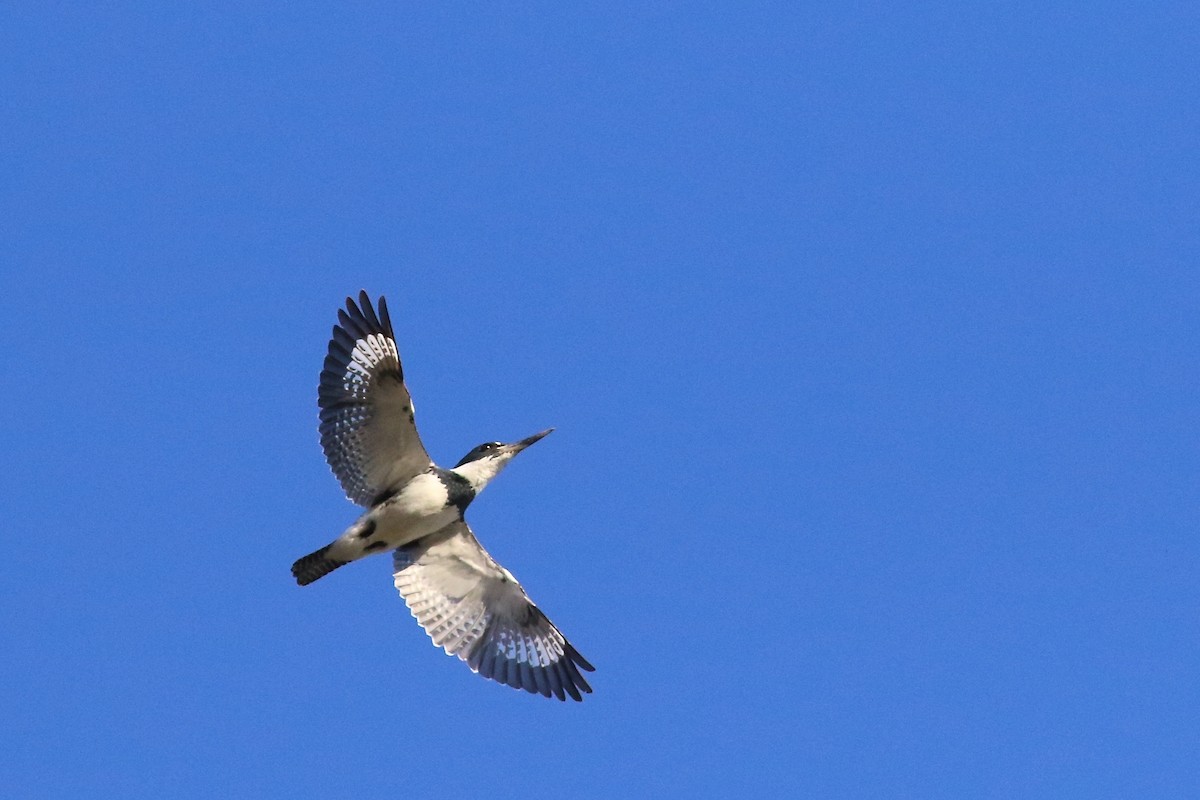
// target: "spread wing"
[[474, 609], [367, 426]]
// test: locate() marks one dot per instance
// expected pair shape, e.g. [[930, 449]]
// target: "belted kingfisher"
[[469, 605]]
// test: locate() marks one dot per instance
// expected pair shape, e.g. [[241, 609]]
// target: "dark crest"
[[482, 451]]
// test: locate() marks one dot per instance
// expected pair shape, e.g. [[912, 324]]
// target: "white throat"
[[479, 472]]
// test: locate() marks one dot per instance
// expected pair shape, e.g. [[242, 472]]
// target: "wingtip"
[[581, 661], [363, 308], [385, 317]]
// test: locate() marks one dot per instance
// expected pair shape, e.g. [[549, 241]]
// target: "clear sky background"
[[870, 335]]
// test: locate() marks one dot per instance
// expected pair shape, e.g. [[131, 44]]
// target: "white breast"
[[423, 496], [417, 510]]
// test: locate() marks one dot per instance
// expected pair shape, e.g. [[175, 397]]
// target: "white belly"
[[400, 525], [417, 510]]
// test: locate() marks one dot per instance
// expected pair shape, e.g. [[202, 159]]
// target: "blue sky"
[[869, 335]]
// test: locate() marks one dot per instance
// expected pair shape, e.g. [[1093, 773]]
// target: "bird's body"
[[468, 604], [424, 505]]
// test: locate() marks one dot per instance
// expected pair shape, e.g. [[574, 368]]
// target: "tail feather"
[[315, 565]]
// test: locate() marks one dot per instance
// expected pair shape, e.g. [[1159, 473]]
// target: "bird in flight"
[[469, 605]]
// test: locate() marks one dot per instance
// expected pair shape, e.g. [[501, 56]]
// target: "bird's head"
[[485, 461]]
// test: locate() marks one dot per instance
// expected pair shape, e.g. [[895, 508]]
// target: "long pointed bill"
[[521, 445]]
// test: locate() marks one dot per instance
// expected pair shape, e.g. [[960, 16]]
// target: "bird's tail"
[[315, 565]]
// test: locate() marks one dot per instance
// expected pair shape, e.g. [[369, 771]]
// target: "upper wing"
[[367, 428], [475, 609]]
